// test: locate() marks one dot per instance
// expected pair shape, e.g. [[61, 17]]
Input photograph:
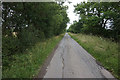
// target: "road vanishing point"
[[70, 60]]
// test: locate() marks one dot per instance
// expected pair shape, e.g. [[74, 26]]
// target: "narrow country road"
[[72, 61]]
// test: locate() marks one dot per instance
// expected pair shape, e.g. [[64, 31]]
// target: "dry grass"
[[104, 50]]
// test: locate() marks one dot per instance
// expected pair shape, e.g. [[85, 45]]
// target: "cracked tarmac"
[[72, 61]]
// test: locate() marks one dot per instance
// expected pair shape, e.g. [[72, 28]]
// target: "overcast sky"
[[72, 16]]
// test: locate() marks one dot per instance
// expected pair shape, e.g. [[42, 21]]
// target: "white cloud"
[[72, 16]]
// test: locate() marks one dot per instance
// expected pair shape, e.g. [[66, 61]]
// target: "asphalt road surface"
[[72, 61]]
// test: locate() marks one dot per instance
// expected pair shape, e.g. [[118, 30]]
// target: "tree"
[[30, 23], [94, 17]]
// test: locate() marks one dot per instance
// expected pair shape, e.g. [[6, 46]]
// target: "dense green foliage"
[[95, 18], [103, 50], [25, 24], [28, 64]]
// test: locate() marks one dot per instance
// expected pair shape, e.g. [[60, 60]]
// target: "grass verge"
[[27, 65], [104, 50]]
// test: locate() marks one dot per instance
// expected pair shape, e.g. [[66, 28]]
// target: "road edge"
[[42, 70], [103, 70]]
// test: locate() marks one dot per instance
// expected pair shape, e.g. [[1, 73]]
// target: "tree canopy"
[[25, 24], [98, 19]]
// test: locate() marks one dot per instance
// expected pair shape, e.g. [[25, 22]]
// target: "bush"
[[10, 45]]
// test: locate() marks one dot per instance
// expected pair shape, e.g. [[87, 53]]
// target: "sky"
[[72, 16]]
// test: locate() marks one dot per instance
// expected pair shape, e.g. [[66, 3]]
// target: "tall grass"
[[104, 50], [27, 65]]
